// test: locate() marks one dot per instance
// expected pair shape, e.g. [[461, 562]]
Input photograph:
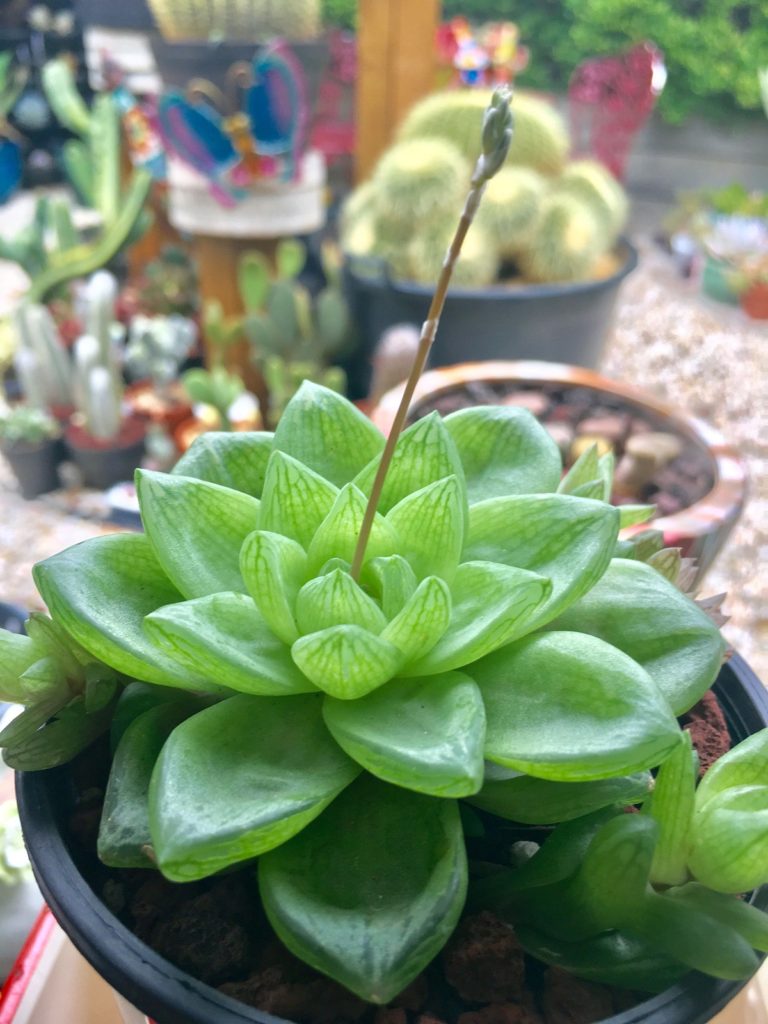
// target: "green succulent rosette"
[[493, 650]]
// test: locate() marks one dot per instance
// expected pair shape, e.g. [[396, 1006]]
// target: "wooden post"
[[396, 66]]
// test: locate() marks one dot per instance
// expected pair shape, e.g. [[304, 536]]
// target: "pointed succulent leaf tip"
[[124, 829], [225, 637], [232, 459], [636, 610], [390, 580], [569, 540], [335, 599], [594, 490], [585, 470], [631, 515], [371, 891], [346, 661], [278, 769], [571, 708], [327, 433], [430, 528], [504, 450], [606, 465], [541, 802], [196, 529], [99, 591], [668, 562], [17, 653], [273, 568], [425, 453], [336, 537], [422, 734], [492, 605], [295, 499], [422, 620]]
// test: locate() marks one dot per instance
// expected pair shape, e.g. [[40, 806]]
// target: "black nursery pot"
[[171, 996], [35, 465], [562, 323]]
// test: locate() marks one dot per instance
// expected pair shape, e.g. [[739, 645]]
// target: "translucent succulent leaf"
[[124, 829], [430, 528], [492, 605], [295, 499], [224, 636], [668, 562], [346, 661], [569, 707], [425, 452], [672, 808], [278, 769], [327, 433], [391, 580], [746, 764], [541, 802], [55, 641], [273, 568], [70, 730], [370, 892], [100, 591], [423, 734], [44, 678], [635, 609], [422, 621], [135, 699], [504, 450], [610, 959], [336, 537], [729, 832], [606, 466], [569, 540], [196, 530], [17, 653], [335, 600], [594, 489], [750, 922], [630, 515], [585, 470], [232, 459]]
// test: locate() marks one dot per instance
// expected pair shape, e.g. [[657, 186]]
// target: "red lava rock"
[[484, 962], [613, 427], [414, 997], [501, 1013], [533, 401], [390, 1015], [709, 733], [569, 1000], [429, 1018], [317, 1000]]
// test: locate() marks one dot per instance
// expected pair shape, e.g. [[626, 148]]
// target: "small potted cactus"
[[155, 350], [30, 442], [542, 264], [335, 678], [293, 335]]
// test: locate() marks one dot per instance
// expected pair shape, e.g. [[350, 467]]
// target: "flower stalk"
[[496, 137]]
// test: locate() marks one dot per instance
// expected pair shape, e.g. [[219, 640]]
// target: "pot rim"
[[723, 503], [158, 988], [559, 289]]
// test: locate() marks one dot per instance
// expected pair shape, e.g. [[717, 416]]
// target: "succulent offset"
[[493, 651]]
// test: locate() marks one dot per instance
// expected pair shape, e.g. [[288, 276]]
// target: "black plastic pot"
[[103, 466], [34, 465], [562, 323], [170, 996]]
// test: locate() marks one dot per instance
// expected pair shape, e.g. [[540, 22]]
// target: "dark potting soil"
[[570, 413], [216, 930]]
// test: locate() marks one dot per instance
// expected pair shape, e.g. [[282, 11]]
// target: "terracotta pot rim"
[[722, 503]]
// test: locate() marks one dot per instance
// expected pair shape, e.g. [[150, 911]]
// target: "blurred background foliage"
[[713, 48]]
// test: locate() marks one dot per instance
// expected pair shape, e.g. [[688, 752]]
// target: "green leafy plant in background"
[[50, 248], [23, 423], [382, 630]]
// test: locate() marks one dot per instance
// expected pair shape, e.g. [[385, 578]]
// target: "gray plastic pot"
[[563, 323], [171, 996]]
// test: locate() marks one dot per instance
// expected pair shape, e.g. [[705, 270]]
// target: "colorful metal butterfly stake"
[[257, 129]]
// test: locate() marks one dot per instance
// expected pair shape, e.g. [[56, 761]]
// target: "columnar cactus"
[[98, 389], [41, 360]]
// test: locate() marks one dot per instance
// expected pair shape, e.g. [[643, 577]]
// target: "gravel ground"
[[702, 357]]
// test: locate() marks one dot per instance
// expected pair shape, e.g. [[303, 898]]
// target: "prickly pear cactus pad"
[[263, 703]]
